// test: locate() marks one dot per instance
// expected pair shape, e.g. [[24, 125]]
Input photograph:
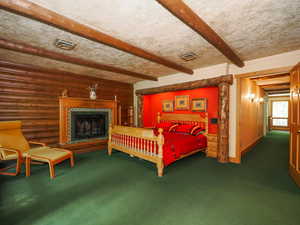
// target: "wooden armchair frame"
[[20, 159]]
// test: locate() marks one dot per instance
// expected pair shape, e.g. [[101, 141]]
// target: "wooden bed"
[[144, 144]]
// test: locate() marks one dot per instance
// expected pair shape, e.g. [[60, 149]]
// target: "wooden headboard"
[[195, 119]]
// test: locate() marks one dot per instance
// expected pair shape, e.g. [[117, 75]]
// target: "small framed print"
[[182, 102], [199, 104], [167, 106]]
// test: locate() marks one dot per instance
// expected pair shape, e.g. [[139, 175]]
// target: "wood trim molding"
[[223, 83], [32, 50], [248, 148], [34, 11], [268, 72], [187, 85], [179, 9], [294, 175]]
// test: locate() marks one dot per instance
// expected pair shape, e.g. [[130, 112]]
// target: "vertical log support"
[[140, 106], [223, 142], [109, 139], [160, 142]]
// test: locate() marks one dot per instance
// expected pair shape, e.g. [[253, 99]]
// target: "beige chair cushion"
[[45, 154]]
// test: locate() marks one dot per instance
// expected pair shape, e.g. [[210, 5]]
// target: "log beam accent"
[[179, 9], [187, 85], [223, 125], [32, 50], [34, 11], [223, 83], [140, 103]]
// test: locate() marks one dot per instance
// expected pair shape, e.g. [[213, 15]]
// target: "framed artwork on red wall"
[[182, 102], [167, 106], [199, 104]]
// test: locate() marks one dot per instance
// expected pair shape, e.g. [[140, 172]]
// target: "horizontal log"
[[16, 105], [60, 74], [37, 129], [7, 95], [35, 77], [41, 135], [48, 141], [13, 79], [8, 117], [32, 123], [29, 92], [187, 85]]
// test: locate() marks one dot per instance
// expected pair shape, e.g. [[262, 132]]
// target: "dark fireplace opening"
[[87, 125]]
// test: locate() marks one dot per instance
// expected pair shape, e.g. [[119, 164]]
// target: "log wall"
[[31, 94]]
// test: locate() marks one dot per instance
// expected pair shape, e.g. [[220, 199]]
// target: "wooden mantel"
[[67, 103]]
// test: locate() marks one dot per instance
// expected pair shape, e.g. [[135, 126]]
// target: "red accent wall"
[[153, 104]]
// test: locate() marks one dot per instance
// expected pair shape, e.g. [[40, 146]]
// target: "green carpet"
[[120, 190]]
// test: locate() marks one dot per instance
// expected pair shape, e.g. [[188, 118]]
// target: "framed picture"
[[199, 104], [167, 106], [182, 102]]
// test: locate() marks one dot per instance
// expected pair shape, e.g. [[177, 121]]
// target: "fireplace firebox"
[[86, 123]]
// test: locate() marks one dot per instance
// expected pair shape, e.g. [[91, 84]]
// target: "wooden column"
[[140, 108], [223, 131]]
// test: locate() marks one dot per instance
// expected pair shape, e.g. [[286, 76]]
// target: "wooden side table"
[[212, 145], [52, 156]]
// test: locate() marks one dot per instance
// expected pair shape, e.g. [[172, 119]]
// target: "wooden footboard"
[[139, 142]]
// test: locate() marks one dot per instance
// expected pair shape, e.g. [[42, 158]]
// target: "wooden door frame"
[[238, 77], [271, 113]]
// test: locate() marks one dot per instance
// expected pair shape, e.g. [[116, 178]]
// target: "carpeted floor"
[[120, 190]]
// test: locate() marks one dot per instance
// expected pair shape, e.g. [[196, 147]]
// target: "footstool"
[[52, 156]]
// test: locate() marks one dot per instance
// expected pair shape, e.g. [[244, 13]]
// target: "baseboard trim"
[[294, 176], [235, 160], [248, 148]]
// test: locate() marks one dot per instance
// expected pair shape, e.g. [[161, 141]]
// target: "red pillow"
[[166, 126], [184, 128], [197, 131]]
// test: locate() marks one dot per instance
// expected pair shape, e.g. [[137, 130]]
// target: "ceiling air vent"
[[188, 56], [65, 45]]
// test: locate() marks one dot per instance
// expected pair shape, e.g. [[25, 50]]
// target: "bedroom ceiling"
[[252, 28]]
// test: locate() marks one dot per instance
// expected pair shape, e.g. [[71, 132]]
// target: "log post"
[[160, 142], [223, 129], [140, 107], [109, 139]]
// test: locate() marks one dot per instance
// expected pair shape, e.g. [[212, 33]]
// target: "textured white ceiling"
[[253, 28]]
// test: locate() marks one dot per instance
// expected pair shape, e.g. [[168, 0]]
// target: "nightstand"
[[212, 145]]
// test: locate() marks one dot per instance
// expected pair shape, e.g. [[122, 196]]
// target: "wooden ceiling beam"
[[34, 11], [179, 9], [32, 50]]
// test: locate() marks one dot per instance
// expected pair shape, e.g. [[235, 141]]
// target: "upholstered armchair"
[[13, 145]]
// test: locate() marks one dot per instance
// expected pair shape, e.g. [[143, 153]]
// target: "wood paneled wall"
[[251, 114], [31, 94]]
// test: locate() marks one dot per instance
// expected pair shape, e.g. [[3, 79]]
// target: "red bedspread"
[[177, 144]]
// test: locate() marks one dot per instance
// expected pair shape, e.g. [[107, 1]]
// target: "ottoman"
[[52, 156]]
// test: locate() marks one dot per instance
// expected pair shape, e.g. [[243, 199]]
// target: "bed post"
[[206, 123], [109, 139], [158, 117], [160, 142]]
